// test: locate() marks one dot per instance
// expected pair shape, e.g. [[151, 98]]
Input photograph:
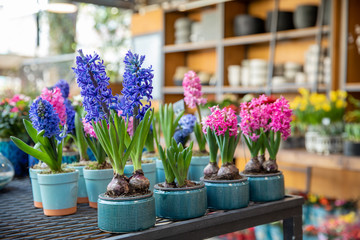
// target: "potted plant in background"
[[123, 194], [193, 99], [177, 198], [352, 129], [263, 124], [330, 138], [13, 111], [58, 186], [308, 112], [226, 188]]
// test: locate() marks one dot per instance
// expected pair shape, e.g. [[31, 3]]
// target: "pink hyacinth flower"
[[220, 121], [88, 128], [56, 99], [192, 90]]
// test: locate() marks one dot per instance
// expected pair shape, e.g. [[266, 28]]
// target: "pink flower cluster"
[[221, 120], [88, 128], [192, 90], [281, 117], [56, 99], [263, 113]]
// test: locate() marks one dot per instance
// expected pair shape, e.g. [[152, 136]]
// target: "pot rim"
[[106, 198], [243, 179], [263, 175], [201, 185]]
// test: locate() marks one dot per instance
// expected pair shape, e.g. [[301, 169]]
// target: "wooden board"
[[204, 60]]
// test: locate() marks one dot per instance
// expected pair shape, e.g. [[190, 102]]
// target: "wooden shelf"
[[232, 89], [352, 87], [185, 47], [180, 89], [266, 37], [332, 161]]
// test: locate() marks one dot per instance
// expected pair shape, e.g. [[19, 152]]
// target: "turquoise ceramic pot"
[[130, 214], [82, 196], [96, 182], [227, 194], [70, 157], [160, 173], [266, 187], [35, 187], [149, 170], [59, 193], [180, 204], [197, 165]]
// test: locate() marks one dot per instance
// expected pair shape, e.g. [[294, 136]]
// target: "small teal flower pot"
[[149, 170], [160, 173], [266, 187], [17, 157], [197, 165], [70, 157], [35, 187], [180, 203], [131, 214], [96, 182], [82, 196], [227, 194], [59, 193]]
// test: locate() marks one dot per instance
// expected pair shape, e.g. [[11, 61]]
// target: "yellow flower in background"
[[342, 94], [312, 198], [326, 107], [333, 96], [303, 104], [349, 218], [340, 104], [304, 92]]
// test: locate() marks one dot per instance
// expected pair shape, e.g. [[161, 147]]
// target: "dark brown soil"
[[262, 172], [236, 177], [189, 184]]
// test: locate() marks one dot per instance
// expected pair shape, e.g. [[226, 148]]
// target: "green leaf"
[[30, 130], [33, 152]]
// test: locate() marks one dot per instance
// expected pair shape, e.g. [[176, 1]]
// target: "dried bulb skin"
[[169, 185], [139, 183], [228, 172], [270, 166], [261, 159], [118, 186], [211, 170], [253, 166]]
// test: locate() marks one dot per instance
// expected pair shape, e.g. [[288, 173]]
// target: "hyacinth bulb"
[[139, 183], [118, 186], [270, 166], [211, 170], [228, 171], [253, 166]]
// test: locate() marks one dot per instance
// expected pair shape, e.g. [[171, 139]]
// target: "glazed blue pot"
[[70, 157], [96, 182], [59, 193], [149, 170], [128, 214], [82, 196], [35, 187], [266, 187], [18, 158], [160, 173], [227, 194], [197, 165], [180, 203]]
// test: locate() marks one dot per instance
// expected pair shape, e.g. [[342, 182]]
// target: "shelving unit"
[[216, 55]]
